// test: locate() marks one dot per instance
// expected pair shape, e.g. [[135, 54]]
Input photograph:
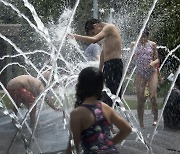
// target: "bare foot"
[[154, 123], [142, 126]]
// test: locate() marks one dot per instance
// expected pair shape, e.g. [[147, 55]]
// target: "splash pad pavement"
[[52, 138], [50, 135]]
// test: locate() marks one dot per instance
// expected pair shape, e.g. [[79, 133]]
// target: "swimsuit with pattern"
[[97, 139], [143, 57]]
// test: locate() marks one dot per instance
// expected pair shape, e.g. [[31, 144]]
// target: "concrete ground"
[[52, 138]]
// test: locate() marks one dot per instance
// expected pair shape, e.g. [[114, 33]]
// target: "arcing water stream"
[[65, 74]]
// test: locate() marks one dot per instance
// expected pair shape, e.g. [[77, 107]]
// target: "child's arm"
[[50, 101]]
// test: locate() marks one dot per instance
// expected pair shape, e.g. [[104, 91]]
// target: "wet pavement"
[[52, 138], [50, 134]]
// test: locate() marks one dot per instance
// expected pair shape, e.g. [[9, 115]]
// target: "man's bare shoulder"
[[110, 27]]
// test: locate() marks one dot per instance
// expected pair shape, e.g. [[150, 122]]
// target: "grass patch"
[[5, 99], [133, 105]]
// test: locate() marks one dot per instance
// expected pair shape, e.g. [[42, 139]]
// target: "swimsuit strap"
[[96, 109]]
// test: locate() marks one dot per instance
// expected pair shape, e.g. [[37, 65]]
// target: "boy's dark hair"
[[90, 83], [89, 25]]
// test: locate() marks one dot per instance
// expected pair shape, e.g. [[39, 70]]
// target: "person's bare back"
[[24, 89], [27, 82]]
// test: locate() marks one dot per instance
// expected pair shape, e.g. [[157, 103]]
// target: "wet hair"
[[89, 25], [146, 31], [90, 83]]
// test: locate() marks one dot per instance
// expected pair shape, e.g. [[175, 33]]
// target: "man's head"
[[91, 27]]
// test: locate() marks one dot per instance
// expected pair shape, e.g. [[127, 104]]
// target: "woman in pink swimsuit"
[[146, 58]]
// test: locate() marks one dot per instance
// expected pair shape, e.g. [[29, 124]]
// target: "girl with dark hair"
[[91, 119]]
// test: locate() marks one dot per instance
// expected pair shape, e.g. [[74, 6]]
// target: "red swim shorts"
[[21, 95]]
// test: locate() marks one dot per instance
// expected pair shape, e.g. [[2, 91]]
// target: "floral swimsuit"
[[97, 139], [143, 57]]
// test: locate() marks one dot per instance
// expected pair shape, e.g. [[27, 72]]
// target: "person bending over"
[[24, 89]]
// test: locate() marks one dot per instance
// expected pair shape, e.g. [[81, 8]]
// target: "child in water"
[[24, 89]]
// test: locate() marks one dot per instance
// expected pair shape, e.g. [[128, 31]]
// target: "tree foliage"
[[164, 21], [166, 26], [167, 14]]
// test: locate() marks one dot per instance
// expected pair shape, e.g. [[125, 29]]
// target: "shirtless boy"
[[110, 58], [24, 89]]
